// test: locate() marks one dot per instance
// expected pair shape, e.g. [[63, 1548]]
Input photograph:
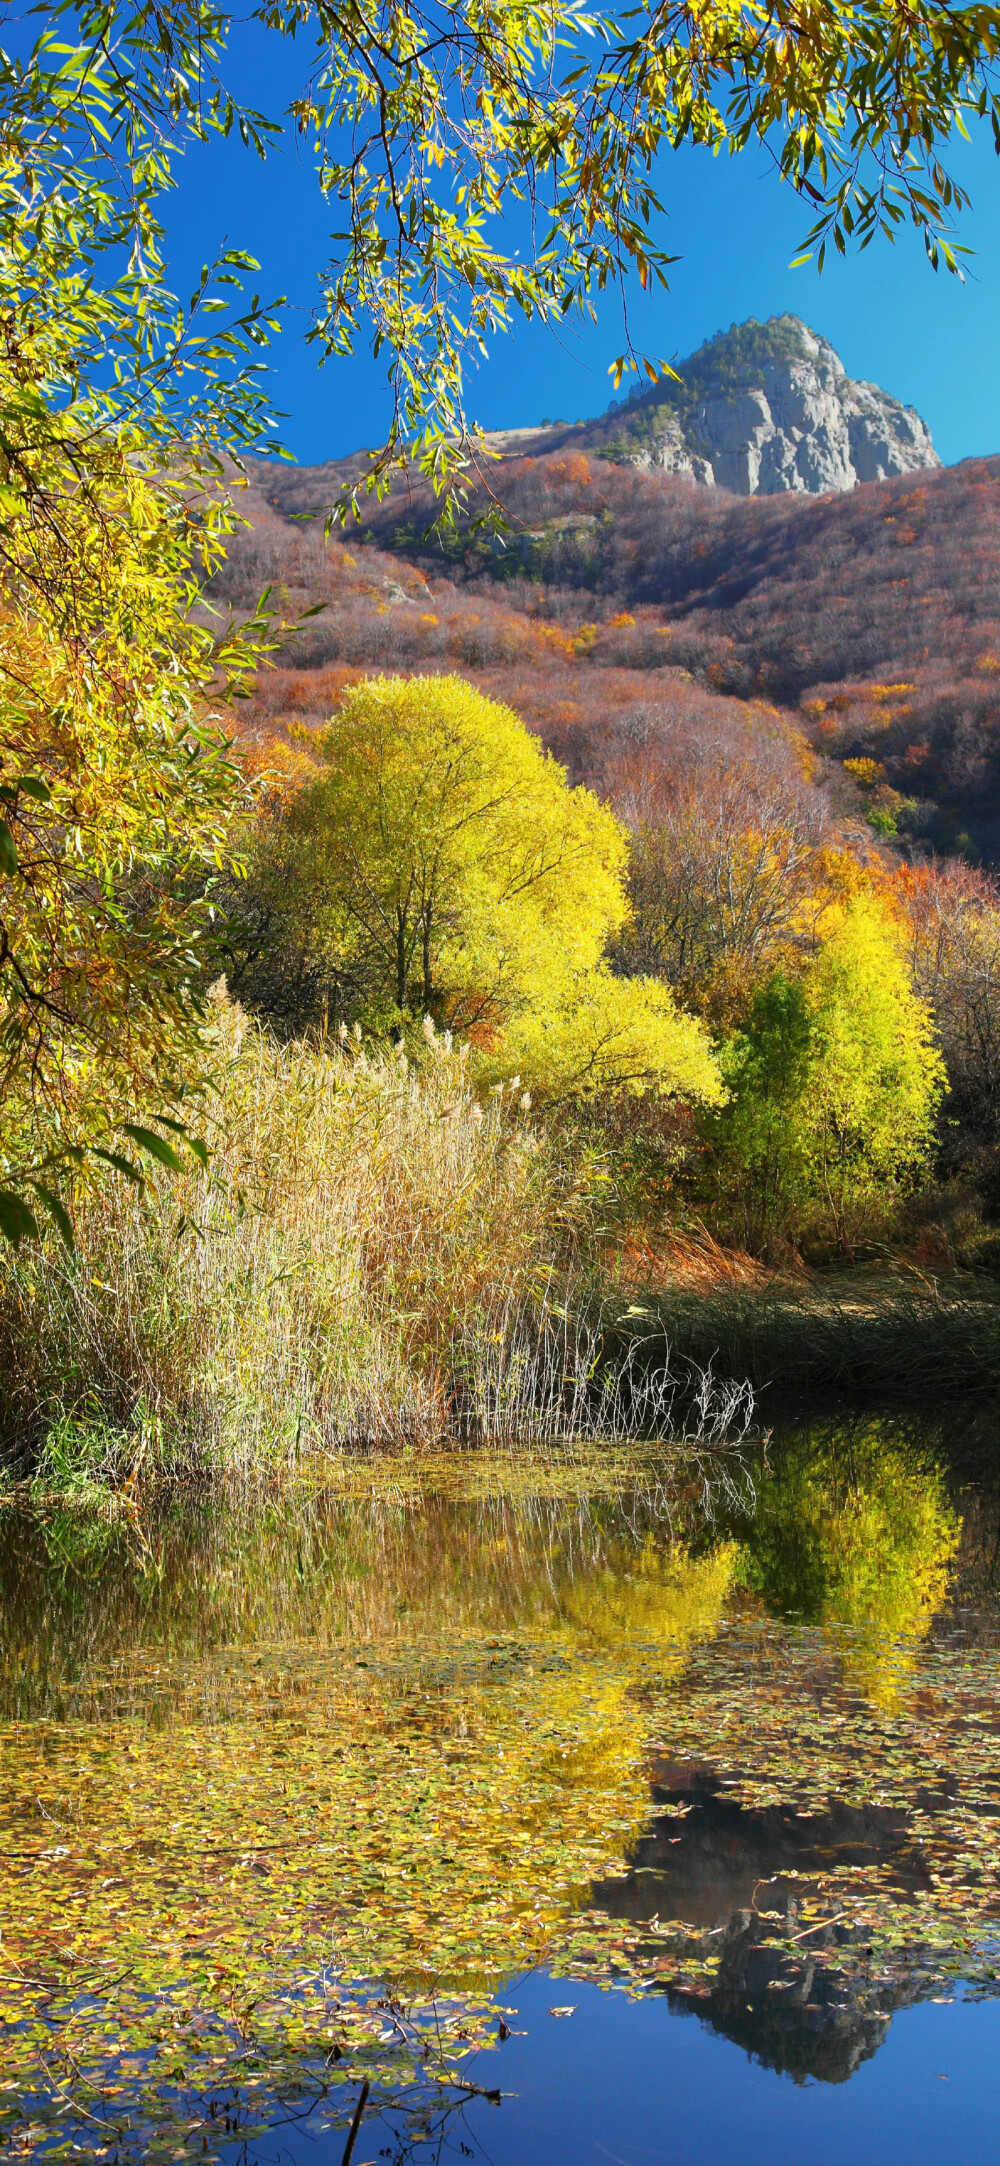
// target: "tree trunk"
[[400, 958], [428, 984]]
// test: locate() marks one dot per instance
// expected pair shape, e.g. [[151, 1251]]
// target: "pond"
[[561, 1808]]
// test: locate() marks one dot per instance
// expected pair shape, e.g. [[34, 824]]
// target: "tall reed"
[[358, 1216]]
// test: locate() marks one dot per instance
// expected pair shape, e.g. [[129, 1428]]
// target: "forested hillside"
[[618, 609]]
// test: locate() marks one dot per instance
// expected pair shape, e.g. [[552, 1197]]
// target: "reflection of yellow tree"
[[654, 1602], [857, 1534], [647, 1608], [889, 1559]]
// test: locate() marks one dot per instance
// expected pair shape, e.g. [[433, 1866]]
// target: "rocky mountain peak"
[[764, 409]]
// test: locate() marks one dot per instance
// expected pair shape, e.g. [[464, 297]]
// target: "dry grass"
[[688, 1257], [358, 1220]]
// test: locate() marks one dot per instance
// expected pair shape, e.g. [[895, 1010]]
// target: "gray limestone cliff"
[[761, 410]]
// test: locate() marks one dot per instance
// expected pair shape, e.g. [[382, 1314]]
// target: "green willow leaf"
[[17, 1221], [195, 1144], [154, 1145]]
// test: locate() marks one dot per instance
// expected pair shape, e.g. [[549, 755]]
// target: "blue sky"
[[923, 336]]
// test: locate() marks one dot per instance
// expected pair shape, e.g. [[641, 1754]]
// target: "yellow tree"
[[856, 1534], [875, 1076], [116, 788], [440, 865], [835, 1082]]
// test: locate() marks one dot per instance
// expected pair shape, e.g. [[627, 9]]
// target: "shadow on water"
[[298, 1782]]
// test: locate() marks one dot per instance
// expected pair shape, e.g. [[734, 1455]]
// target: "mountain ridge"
[[764, 409]]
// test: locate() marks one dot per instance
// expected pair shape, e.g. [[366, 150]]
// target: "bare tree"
[[725, 864], [953, 922]]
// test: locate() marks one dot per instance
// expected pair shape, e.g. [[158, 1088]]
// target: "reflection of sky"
[[923, 337], [633, 2084], [627, 2081]]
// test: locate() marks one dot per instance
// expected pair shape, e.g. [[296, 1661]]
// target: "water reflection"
[[858, 1532], [814, 2006], [201, 1575], [434, 1722]]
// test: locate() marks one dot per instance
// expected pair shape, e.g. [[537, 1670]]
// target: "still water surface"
[[360, 1784]]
